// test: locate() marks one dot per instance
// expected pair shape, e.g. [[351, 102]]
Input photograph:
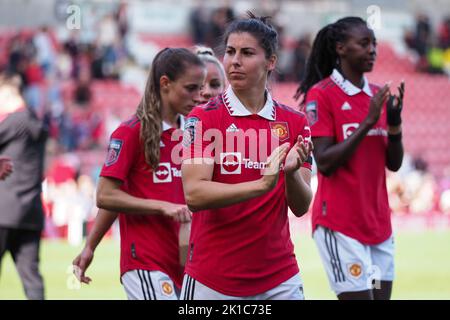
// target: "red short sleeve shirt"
[[353, 200], [147, 242], [243, 249]]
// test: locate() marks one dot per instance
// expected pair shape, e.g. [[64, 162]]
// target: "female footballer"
[[141, 182], [357, 133], [246, 160]]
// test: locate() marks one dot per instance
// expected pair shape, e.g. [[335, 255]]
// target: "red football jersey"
[[353, 200], [148, 242], [244, 249]]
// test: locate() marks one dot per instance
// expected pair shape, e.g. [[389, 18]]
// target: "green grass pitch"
[[422, 270]]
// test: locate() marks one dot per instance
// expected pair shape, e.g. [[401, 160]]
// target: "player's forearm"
[[394, 151], [202, 195], [103, 221], [298, 193], [333, 157], [119, 201], [183, 241]]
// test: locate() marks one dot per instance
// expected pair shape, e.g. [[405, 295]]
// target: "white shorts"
[[352, 266], [148, 285], [291, 289]]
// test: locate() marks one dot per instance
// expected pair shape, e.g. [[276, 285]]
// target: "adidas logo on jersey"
[[161, 144], [346, 106], [232, 128]]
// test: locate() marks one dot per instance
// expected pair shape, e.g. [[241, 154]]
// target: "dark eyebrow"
[[246, 48], [368, 39]]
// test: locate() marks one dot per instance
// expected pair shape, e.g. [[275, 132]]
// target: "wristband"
[[393, 114]]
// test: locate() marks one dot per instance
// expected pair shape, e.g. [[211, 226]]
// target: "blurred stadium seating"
[[426, 112]]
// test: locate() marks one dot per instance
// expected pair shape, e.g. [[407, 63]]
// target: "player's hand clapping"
[[395, 106], [376, 105], [298, 154], [273, 166]]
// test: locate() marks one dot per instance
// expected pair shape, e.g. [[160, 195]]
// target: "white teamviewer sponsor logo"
[[349, 128], [232, 163], [249, 164], [165, 172]]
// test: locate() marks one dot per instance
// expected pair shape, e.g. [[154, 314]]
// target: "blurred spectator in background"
[[217, 25], [301, 53], [423, 34], [68, 65], [23, 135], [419, 40], [198, 20], [396, 193], [431, 46], [420, 188], [107, 43], [21, 50], [83, 94], [444, 33], [444, 186], [435, 59], [121, 17], [79, 124], [45, 51], [72, 202]]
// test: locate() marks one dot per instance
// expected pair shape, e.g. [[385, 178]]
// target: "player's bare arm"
[[201, 193], [111, 197], [183, 242], [103, 221], [330, 156], [394, 151], [298, 179]]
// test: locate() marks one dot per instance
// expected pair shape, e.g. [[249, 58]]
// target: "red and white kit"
[[148, 242], [351, 215], [243, 249]]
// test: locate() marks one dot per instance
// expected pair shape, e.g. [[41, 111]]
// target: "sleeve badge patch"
[[311, 112], [189, 131], [114, 148]]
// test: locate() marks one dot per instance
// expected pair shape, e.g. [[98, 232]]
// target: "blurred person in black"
[[422, 36], [220, 18], [23, 134], [301, 53], [198, 20]]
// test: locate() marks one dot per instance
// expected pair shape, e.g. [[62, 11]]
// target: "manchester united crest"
[[280, 130], [355, 270], [166, 288]]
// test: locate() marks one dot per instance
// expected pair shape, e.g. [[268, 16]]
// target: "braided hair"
[[324, 58]]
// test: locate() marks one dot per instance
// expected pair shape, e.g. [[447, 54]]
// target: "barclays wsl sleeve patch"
[[189, 131], [115, 145], [311, 112]]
